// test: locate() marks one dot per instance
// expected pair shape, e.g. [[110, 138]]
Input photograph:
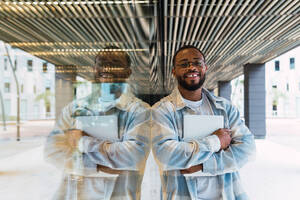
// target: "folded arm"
[[173, 153], [239, 152], [127, 154]]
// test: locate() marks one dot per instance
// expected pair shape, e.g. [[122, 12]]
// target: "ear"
[[173, 71], [127, 72], [205, 68]]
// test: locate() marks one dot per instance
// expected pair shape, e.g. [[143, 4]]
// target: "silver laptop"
[[200, 126], [104, 127]]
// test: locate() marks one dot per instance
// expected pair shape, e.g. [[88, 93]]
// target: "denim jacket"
[[128, 153], [173, 152]]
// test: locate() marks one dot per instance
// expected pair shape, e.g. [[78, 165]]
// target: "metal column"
[[225, 89], [255, 99], [64, 91]]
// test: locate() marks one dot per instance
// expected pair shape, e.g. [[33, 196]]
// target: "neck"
[[190, 95]]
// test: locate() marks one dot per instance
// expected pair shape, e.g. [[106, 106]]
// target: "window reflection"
[[101, 138]]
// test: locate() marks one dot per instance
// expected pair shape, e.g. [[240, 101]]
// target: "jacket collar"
[[122, 103], [125, 100], [214, 99], [177, 99]]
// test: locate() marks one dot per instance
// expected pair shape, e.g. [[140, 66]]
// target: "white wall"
[[31, 109]]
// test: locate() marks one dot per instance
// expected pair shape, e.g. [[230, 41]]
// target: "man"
[[96, 167], [219, 156]]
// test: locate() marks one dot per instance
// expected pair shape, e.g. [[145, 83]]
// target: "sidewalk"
[[28, 129], [25, 176], [274, 175]]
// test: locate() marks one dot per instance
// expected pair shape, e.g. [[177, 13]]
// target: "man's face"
[[190, 69], [112, 67]]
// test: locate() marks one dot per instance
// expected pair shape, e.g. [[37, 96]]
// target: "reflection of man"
[[97, 167], [219, 156]]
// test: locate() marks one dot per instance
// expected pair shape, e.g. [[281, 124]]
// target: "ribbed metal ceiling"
[[73, 32], [230, 32]]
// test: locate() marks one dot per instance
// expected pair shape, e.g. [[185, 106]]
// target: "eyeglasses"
[[199, 64]]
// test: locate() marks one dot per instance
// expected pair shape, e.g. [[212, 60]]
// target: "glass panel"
[[292, 63], [45, 67], [29, 65], [277, 68], [77, 79], [97, 90]]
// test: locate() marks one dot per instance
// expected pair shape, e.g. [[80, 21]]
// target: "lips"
[[191, 75]]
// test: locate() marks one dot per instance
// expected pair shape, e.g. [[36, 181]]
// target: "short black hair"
[[115, 47], [187, 47]]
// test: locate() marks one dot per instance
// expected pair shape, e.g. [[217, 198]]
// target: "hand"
[[224, 137], [108, 170], [192, 169], [73, 137]]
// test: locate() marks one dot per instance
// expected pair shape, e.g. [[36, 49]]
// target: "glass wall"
[[81, 77], [78, 79]]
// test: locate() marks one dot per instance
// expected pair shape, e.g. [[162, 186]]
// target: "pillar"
[[64, 90], [224, 89], [255, 99]]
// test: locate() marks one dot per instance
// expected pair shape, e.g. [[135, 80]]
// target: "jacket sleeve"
[[241, 150], [57, 151], [126, 154], [130, 152], [171, 152]]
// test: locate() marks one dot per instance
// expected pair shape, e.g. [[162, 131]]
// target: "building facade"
[[282, 86], [36, 80]]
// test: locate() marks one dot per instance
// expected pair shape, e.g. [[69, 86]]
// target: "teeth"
[[192, 75]]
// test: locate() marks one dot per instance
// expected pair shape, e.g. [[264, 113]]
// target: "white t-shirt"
[[207, 186], [201, 107]]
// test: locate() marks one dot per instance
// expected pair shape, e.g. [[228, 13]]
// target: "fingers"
[[75, 133], [224, 136], [108, 170], [192, 169], [223, 130], [73, 136], [184, 171]]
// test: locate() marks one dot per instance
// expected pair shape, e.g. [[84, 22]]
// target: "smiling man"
[[189, 80], [217, 156], [101, 142]]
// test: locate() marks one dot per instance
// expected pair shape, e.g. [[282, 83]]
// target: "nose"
[[191, 65]]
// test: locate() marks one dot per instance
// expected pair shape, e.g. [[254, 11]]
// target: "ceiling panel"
[[231, 33]]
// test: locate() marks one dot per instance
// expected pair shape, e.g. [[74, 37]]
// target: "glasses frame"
[[186, 65]]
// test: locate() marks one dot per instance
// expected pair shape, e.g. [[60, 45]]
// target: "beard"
[[112, 91], [193, 86]]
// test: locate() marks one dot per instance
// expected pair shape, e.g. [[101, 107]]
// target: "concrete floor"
[[274, 175]]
